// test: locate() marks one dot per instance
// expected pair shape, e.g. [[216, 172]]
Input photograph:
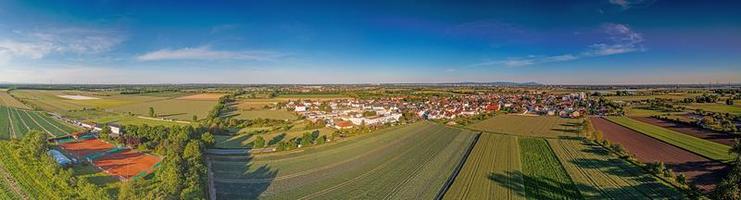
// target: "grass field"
[[171, 108], [539, 126], [133, 120], [702, 147], [640, 112], [544, 176], [266, 114], [17, 122], [677, 96], [717, 107], [599, 175], [244, 140], [7, 100], [50, 100], [492, 171], [410, 162]]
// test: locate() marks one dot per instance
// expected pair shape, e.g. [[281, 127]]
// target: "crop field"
[[203, 96], [544, 176], [133, 120], [677, 96], [244, 140], [172, 108], [701, 171], [266, 114], [717, 107], [17, 122], [51, 100], [7, 100], [410, 162], [640, 112], [719, 137], [599, 175], [491, 171], [529, 125], [700, 146]]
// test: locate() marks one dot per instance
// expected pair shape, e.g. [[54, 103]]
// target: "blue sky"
[[581, 42]]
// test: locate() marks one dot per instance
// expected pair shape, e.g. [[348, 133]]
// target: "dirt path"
[[11, 125], [5, 177], [703, 172], [40, 126], [211, 188], [719, 137]]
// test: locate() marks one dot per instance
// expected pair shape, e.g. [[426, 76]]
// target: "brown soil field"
[[714, 136], [86, 147], [703, 172], [127, 164], [203, 96]]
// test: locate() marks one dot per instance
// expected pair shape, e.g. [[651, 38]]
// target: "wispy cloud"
[[620, 39], [627, 4], [206, 53], [39, 44]]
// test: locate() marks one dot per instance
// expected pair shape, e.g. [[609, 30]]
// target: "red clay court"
[[127, 163], [86, 147]]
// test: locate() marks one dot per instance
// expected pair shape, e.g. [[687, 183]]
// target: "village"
[[348, 113]]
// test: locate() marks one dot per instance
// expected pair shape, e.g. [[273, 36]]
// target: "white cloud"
[[206, 53], [620, 39], [626, 4], [39, 44]]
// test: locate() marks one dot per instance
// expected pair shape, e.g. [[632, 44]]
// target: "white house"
[[300, 109]]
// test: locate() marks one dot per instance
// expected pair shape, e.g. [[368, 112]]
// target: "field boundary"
[[660, 140], [457, 170]]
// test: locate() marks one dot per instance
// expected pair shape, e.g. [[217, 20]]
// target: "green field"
[[544, 176], [17, 122], [492, 171], [244, 140], [712, 150], [171, 108], [640, 112], [266, 114], [717, 107], [539, 126], [133, 120], [677, 96], [599, 175], [409, 162], [49, 100]]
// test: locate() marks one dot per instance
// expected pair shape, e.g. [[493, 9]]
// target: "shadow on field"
[[277, 139], [536, 187], [235, 177]]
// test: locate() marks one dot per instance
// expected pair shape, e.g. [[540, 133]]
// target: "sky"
[[313, 42]]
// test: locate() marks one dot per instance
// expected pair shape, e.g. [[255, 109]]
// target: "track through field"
[[39, 125], [11, 126], [48, 122]]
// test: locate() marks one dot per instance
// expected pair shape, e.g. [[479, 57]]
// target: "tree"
[[259, 142], [105, 134], [208, 139], [151, 112], [598, 135], [195, 118], [729, 101]]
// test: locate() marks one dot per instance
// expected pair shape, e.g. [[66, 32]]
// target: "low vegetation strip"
[[538, 126], [492, 171], [715, 136], [599, 175], [544, 176], [409, 162], [705, 148]]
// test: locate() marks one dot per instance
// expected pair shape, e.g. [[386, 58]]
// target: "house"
[[300, 108], [115, 130], [343, 125]]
